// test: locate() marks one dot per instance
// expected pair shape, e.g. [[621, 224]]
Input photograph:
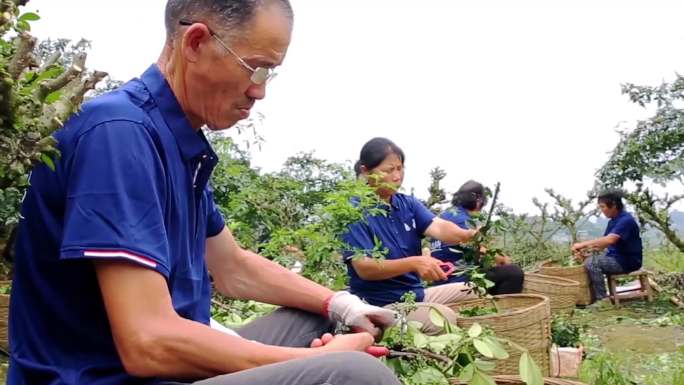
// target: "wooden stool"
[[644, 289]]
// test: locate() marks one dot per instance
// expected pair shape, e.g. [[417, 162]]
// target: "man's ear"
[[195, 40]]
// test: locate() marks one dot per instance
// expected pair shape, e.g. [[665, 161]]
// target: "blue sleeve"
[[359, 237], [625, 228], [215, 222], [422, 215], [115, 196], [456, 217]]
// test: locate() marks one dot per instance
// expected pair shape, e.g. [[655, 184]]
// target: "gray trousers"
[[294, 328], [597, 266]]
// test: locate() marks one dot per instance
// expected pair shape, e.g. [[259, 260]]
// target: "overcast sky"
[[522, 92]]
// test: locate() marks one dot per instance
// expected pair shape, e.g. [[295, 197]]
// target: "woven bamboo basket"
[[523, 319], [574, 273], [516, 380], [4, 314], [562, 292]]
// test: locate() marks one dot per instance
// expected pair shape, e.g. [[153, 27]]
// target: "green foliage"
[[466, 354], [477, 311], [296, 215], [605, 369], [5, 289], [236, 313], [565, 332]]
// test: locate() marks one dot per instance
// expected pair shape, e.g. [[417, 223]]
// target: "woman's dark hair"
[[611, 198], [375, 151], [468, 195]]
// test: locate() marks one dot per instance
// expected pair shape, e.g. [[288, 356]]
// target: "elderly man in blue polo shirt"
[[621, 239], [116, 246]]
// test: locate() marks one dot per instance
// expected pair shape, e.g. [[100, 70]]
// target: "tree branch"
[[23, 57], [51, 85]]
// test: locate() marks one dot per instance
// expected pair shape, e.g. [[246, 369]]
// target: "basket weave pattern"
[[515, 380], [523, 319], [574, 273], [4, 315], [562, 292]]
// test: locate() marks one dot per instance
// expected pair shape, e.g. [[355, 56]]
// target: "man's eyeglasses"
[[260, 75]]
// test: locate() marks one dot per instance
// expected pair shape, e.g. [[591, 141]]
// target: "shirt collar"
[[191, 143]]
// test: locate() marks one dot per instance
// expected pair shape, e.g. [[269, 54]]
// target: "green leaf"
[[50, 73], [496, 347], [22, 25], [48, 161], [483, 348], [436, 318], [29, 16], [429, 376], [475, 330], [480, 378], [437, 347], [487, 366], [53, 97], [420, 340], [467, 373], [529, 371]]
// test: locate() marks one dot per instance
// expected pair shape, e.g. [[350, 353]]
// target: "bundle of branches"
[[673, 285], [39, 90]]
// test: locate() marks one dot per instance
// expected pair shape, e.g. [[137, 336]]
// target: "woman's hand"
[[428, 268]]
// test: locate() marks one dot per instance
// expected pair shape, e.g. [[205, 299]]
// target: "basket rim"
[[544, 302], [556, 279]]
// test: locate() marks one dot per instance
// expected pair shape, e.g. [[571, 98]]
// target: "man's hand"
[[429, 269], [351, 311], [578, 247], [344, 342]]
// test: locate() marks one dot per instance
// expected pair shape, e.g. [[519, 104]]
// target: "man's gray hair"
[[229, 15]]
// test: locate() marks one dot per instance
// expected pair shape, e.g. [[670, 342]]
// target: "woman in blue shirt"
[[468, 200], [384, 281]]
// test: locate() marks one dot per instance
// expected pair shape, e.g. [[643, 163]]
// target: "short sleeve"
[[457, 218], [358, 237], [422, 215], [624, 228], [115, 194], [215, 221]]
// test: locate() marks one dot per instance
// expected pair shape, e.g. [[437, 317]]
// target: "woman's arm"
[[449, 232], [427, 268]]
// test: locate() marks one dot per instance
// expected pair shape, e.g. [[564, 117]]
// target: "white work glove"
[[351, 311]]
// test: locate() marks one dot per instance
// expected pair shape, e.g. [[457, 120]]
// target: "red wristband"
[[326, 305]]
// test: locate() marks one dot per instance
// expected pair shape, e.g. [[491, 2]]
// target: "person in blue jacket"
[[117, 244], [404, 268], [622, 241], [468, 200]]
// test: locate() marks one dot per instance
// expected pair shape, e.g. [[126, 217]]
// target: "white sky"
[[522, 92]]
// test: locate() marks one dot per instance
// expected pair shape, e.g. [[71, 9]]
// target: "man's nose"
[[257, 91]]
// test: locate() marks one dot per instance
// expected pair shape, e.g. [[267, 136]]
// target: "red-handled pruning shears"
[[448, 268], [383, 351]]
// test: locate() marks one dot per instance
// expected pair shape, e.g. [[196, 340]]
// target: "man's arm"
[[154, 341], [242, 274], [598, 243], [239, 273], [449, 232]]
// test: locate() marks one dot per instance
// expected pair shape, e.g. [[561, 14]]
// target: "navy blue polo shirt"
[[400, 232], [628, 250], [452, 253], [130, 185]]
